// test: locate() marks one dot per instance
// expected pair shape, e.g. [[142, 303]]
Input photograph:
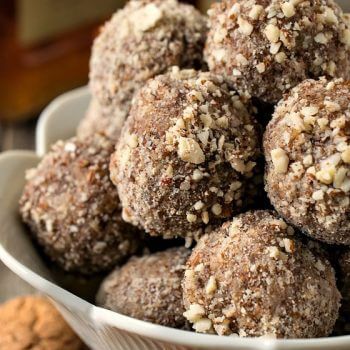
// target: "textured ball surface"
[[185, 156], [266, 47], [142, 40], [73, 208], [98, 120], [307, 149], [148, 288], [251, 277]]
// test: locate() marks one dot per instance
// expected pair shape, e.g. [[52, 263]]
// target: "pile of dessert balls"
[[175, 145]]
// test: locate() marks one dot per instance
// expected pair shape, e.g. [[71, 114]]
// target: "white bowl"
[[101, 329]]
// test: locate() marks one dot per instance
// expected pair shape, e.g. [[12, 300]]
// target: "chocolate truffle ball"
[[32, 322], [73, 209], [251, 277], [185, 154], [140, 41], [148, 288], [307, 149], [266, 47], [102, 121]]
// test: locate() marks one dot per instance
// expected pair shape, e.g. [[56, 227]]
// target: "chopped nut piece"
[[345, 156], [280, 57], [339, 177], [245, 27], [241, 60], [280, 160], [211, 286], [202, 326], [197, 175], [191, 217], [288, 9], [289, 245], [332, 106], [330, 16], [321, 38], [199, 205], [274, 252], [318, 195], [132, 140], [309, 111], [325, 176], [256, 11], [308, 160], [260, 67], [216, 209], [346, 37], [195, 312], [205, 217], [272, 33], [199, 268], [190, 151]]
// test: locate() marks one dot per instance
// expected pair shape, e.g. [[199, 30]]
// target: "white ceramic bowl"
[[101, 329]]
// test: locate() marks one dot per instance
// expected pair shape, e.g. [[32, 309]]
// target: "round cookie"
[[98, 120], [73, 208], [307, 150], [142, 40], [185, 155], [266, 47], [32, 322], [148, 288], [251, 277]]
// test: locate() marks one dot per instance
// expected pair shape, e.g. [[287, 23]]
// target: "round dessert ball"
[[148, 288], [142, 40], [101, 120], [307, 149], [266, 47], [251, 277], [185, 155], [73, 208], [32, 322]]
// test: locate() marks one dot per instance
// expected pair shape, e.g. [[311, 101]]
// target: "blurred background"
[[44, 51]]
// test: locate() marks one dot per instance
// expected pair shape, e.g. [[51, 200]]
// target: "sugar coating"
[[252, 278], [307, 150], [185, 155], [266, 47], [101, 120], [148, 288], [142, 40], [73, 208]]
